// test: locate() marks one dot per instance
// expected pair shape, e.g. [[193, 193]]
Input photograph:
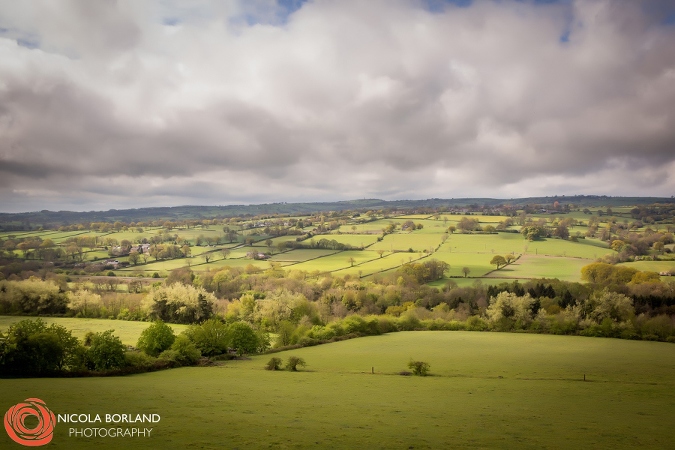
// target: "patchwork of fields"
[[370, 251]]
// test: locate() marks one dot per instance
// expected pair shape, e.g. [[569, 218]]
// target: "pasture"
[[651, 266], [407, 240], [127, 331], [551, 257], [355, 240], [530, 266], [478, 263], [388, 262], [301, 255], [487, 390]]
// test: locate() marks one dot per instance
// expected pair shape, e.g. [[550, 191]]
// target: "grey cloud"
[[337, 100]]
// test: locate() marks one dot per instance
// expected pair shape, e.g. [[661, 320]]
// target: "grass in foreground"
[[489, 390]]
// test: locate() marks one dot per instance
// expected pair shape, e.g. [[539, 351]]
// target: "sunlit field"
[[485, 390]]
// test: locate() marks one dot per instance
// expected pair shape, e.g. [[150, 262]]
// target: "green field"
[[488, 390], [355, 240], [302, 255], [652, 266], [390, 261], [478, 263], [403, 241], [127, 331], [529, 266], [336, 261]]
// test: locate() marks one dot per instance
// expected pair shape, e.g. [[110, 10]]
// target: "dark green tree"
[[156, 338], [242, 338], [105, 352]]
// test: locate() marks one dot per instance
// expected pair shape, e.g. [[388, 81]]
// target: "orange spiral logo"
[[15, 423]]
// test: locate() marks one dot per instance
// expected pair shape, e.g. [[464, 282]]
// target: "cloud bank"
[[128, 104]]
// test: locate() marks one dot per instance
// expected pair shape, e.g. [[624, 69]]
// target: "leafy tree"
[[134, 257], [610, 305], [156, 338], [33, 296], [293, 363], [84, 303], [498, 260], [211, 337], [562, 232], [603, 273], [71, 355], [105, 352], [466, 271], [179, 303], [242, 338], [185, 352], [419, 368], [507, 310], [533, 232], [284, 332], [30, 349], [467, 224]]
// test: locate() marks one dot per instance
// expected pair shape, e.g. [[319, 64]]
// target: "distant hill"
[[51, 218]]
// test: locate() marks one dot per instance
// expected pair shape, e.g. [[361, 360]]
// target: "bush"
[[475, 323], [106, 351], [243, 338], [294, 362], [184, 351], [156, 338], [139, 360], [355, 324], [31, 347], [273, 364], [419, 368], [211, 337], [408, 322]]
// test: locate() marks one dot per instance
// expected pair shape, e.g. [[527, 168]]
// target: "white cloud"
[[145, 103]]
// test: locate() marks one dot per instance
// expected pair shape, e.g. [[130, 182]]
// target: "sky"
[[127, 104]]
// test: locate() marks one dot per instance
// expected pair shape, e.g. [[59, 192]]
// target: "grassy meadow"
[[127, 331], [486, 390]]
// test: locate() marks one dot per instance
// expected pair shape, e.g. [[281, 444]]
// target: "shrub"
[[408, 322], [293, 363], [211, 337], [386, 324], [475, 323], [139, 360], [31, 347], [186, 352], [273, 364], [243, 338], [156, 338], [419, 368], [355, 324], [106, 351]]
